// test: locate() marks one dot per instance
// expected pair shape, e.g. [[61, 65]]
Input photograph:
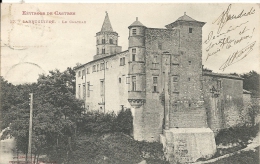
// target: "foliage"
[[124, 122], [55, 112], [207, 70], [101, 123], [248, 157], [254, 110], [238, 134], [251, 82], [116, 148]]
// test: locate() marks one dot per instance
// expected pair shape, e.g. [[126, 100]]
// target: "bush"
[[101, 123], [124, 122], [238, 134]]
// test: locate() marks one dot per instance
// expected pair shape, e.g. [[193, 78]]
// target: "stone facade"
[[160, 78]]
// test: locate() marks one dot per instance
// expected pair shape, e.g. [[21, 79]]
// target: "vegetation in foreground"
[[245, 157]]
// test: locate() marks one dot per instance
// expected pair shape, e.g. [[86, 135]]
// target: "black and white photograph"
[[130, 83]]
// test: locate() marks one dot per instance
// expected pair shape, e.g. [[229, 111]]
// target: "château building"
[[160, 77]]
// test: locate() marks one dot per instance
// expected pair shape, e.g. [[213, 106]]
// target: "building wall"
[[157, 42], [186, 74], [115, 93], [225, 108]]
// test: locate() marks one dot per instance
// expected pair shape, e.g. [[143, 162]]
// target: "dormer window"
[[134, 32], [190, 30]]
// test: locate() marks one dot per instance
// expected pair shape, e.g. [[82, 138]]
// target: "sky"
[[30, 49]]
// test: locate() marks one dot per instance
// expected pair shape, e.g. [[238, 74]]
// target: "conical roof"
[[184, 18], [136, 23], [106, 24]]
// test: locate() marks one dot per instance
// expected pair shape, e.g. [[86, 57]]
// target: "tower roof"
[[136, 23], [184, 18], [106, 24]]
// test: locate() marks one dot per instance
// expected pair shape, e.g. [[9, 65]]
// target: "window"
[[134, 32], [119, 80], [122, 61], [79, 92], [97, 50], [133, 83], [103, 41], [155, 80], [83, 72], [79, 73], [116, 42], [101, 87], [103, 50], [102, 66], [133, 57], [190, 30], [106, 65], [110, 41], [133, 54], [189, 79], [87, 70], [155, 63], [94, 68], [175, 78], [84, 91], [154, 88], [189, 62], [97, 41], [98, 67], [88, 89]]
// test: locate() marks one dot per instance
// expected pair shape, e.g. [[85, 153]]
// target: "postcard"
[[177, 66]]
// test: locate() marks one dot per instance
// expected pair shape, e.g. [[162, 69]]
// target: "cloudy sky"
[[230, 35]]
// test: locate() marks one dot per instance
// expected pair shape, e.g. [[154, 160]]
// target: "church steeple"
[[107, 40], [106, 24]]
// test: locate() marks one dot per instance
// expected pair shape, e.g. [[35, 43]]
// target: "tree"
[[251, 82], [55, 112]]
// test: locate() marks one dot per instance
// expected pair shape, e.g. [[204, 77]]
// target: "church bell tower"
[[107, 40]]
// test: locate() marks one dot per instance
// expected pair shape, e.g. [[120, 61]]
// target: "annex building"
[[160, 77]]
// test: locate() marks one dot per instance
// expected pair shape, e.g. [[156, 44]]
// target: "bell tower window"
[[110, 41]]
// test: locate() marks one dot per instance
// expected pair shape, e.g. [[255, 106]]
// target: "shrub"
[[124, 122], [101, 123], [236, 134]]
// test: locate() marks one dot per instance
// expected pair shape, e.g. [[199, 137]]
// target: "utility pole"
[[30, 127]]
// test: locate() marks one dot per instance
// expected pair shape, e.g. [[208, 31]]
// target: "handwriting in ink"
[[225, 17]]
